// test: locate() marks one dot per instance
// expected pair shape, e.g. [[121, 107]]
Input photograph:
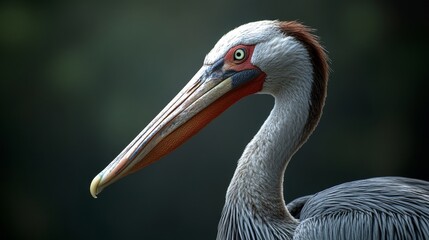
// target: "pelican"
[[285, 60]]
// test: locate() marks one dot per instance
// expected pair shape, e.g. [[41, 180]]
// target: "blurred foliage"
[[79, 79]]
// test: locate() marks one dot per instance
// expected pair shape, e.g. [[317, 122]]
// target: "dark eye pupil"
[[239, 54]]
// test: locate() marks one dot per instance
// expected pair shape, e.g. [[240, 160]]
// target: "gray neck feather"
[[255, 207]]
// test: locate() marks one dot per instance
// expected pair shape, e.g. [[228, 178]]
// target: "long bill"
[[210, 92]]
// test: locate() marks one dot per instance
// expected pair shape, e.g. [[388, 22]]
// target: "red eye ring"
[[238, 58], [239, 54]]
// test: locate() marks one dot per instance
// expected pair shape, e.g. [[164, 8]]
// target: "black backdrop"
[[80, 79]]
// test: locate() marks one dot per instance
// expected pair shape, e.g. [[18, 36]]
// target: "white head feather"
[[281, 57]]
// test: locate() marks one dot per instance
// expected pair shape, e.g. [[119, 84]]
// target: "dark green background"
[[80, 79]]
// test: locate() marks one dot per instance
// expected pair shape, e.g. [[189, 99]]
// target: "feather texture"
[[297, 71]]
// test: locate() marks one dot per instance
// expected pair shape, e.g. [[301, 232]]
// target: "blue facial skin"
[[238, 78], [242, 77]]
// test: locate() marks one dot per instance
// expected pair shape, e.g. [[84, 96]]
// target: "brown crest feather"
[[319, 61]]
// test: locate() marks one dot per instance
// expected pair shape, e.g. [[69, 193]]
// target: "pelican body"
[[285, 60]]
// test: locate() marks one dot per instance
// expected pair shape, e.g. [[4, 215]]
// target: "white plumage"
[[285, 60]]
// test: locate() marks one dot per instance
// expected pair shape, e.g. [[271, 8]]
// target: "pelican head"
[[260, 57]]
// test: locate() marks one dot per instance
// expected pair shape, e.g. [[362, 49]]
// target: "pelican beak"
[[210, 92]]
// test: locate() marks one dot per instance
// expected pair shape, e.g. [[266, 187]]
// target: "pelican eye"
[[239, 54]]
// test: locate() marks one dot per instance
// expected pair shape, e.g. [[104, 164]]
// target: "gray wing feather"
[[376, 208], [296, 206]]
